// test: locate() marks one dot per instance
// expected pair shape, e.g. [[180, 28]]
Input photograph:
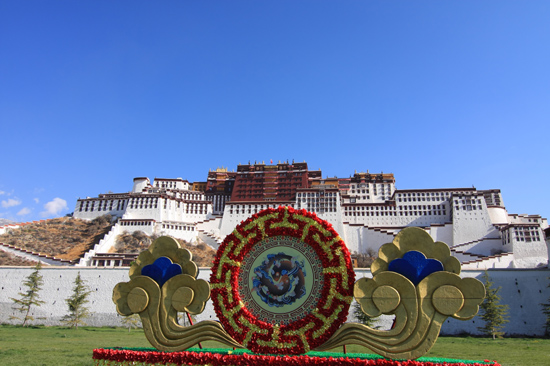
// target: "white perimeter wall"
[[522, 290]]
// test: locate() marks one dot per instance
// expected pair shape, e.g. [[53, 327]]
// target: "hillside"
[[69, 238], [203, 255], [65, 238], [8, 259]]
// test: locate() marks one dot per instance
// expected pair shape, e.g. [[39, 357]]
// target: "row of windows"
[[167, 184], [316, 207], [136, 223], [312, 200], [103, 205], [178, 227], [241, 192], [421, 207], [317, 194], [190, 208], [188, 196], [467, 201], [218, 202], [525, 234], [392, 213], [311, 204], [146, 206], [260, 177], [321, 209], [529, 238], [424, 194], [354, 199], [366, 185], [143, 202], [250, 208], [468, 207], [372, 208], [414, 199]]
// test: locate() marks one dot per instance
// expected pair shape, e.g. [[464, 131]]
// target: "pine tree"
[[77, 304], [492, 312], [361, 316], [546, 311], [132, 320], [29, 298]]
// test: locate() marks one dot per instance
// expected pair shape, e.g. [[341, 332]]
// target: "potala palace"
[[365, 209]]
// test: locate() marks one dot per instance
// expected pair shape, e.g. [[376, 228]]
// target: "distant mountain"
[[6, 222]]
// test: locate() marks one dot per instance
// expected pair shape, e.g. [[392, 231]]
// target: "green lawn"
[[62, 346]]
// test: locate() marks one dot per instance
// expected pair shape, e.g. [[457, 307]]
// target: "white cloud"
[[24, 211], [10, 203], [36, 200], [2, 192], [54, 207]]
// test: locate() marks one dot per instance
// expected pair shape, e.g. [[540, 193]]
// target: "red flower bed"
[[121, 356]]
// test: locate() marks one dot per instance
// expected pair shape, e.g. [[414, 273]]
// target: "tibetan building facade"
[[366, 209]]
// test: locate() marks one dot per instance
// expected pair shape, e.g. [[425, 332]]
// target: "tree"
[[492, 312], [77, 304], [362, 317], [546, 311], [29, 298], [130, 321]]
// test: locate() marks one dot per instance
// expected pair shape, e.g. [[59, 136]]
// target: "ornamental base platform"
[[227, 357]]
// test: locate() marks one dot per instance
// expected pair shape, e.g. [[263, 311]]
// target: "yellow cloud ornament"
[[417, 280], [163, 283]]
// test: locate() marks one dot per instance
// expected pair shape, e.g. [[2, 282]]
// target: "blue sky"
[[440, 93]]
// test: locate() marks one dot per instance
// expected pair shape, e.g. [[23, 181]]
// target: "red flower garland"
[[217, 359], [337, 290]]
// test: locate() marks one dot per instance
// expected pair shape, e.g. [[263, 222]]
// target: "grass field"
[[69, 347]]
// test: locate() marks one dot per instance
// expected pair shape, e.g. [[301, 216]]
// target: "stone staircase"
[[106, 243], [208, 231], [465, 256], [210, 239], [503, 260]]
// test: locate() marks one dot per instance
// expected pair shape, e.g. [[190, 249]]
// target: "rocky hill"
[[69, 238], [8, 259], [64, 238], [134, 243]]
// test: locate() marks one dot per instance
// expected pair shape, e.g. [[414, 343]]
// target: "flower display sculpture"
[[417, 280], [163, 283], [282, 282]]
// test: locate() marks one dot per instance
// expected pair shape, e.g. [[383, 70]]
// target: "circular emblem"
[[282, 282]]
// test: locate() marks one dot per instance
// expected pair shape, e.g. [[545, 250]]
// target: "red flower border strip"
[[217, 359], [313, 329]]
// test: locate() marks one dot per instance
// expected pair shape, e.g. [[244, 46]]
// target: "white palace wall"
[[522, 290], [366, 215]]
